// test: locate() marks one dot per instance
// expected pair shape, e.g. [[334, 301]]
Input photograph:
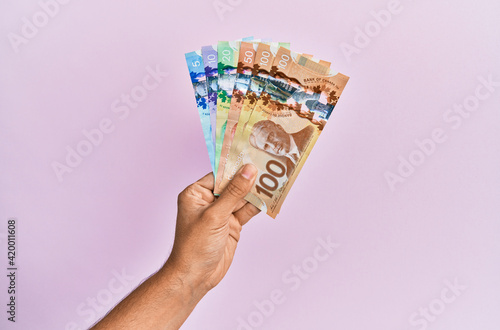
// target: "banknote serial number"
[[268, 182]]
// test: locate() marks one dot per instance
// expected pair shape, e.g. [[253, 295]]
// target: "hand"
[[208, 228], [207, 232]]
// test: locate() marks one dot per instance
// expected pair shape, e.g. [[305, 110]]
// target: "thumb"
[[237, 188]]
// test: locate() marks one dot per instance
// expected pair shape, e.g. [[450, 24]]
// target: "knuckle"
[[184, 194]]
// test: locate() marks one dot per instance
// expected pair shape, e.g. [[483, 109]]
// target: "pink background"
[[116, 210]]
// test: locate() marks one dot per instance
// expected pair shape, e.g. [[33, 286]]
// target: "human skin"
[[207, 233]]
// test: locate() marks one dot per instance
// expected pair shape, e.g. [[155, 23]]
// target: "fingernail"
[[248, 171]]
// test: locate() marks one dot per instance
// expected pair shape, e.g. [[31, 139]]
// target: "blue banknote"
[[196, 68], [209, 54]]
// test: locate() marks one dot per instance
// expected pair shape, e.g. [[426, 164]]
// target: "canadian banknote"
[[283, 127], [262, 64], [227, 54], [210, 61], [227, 62], [247, 69], [261, 68], [196, 68], [242, 81]]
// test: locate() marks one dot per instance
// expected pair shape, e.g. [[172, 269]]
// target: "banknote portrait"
[[270, 137]]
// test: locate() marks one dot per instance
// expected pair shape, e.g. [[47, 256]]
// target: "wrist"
[[180, 279]]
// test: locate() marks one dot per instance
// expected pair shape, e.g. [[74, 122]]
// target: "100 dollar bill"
[[262, 63], [284, 126], [262, 67]]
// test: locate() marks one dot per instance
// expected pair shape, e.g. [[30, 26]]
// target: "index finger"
[[246, 213], [207, 181]]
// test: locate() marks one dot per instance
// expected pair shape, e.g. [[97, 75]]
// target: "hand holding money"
[[273, 105]]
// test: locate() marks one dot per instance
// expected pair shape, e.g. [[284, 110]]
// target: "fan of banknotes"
[[261, 103]]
